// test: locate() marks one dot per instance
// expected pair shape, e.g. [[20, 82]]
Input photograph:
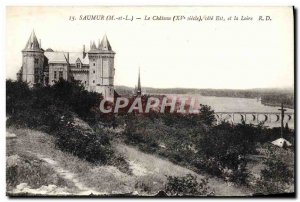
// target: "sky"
[[188, 54]]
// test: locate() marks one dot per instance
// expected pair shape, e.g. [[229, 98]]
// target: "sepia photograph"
[[150, 101]]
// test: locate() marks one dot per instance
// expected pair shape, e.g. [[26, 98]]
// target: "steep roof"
[[32, 43], [73, 56], [56, 57], [105, 45], [61, 57]]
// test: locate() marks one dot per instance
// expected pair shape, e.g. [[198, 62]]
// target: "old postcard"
[[150, 101]]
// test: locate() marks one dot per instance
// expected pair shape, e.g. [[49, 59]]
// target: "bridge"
[[255, 117]]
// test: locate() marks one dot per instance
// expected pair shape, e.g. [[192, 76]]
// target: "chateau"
[[94, 69]]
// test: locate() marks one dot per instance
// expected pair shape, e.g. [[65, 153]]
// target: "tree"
[[222, 151], [276, 177], [207, 115]]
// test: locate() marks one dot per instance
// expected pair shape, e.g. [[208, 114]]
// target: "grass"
[[144, 173], [30, 170], [23, 167], [148, 172], [104, 179], [153, 171]]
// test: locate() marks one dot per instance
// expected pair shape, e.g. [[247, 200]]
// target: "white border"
[[4, 3]]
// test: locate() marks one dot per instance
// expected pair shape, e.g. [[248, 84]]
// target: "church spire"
[[32, 43], [139, 88]]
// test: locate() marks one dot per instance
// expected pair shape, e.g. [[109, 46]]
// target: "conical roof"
[[105, 45], [32, 43], [93, 47]]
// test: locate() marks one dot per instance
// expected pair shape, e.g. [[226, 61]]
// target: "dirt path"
[[149, 172], [143, 165], [69, 176]]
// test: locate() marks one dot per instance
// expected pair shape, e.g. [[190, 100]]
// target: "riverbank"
[[277, 105]]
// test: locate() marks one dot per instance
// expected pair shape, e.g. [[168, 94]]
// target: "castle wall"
[[94, 70], [101, 73], [106, 91], [81, 75], [57, 70], [108, 71]]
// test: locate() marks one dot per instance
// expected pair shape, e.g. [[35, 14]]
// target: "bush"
[[186, 186], [79, 100], [64, 95], [223, 150], [92, 147], [52, 109], [207, 115], [276, 177], [18, 96]]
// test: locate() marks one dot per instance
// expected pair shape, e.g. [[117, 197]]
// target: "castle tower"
[[33, 61], [102, 71]]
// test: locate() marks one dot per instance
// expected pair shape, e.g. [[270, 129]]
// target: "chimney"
[[83, 51], [68, 57]]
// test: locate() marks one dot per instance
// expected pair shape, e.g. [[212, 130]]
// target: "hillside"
[[73, 176], [60, 143]]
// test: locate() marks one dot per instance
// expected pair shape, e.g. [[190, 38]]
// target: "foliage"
[[186, 186], [287, 99], [223, 150], [64, 95], [186, 140], [72, 94], [92, 147], [134, 135], [16, 91], [207, 115], [52, 109], [276, 177]]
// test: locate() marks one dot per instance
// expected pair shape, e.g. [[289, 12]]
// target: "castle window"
[[93, 81], [84, 82], [60, 74], [78, 65], [55, 75], [94, 71], [94, 64], [36, 61]]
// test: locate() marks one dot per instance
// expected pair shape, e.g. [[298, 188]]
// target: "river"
[[230, 104]]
